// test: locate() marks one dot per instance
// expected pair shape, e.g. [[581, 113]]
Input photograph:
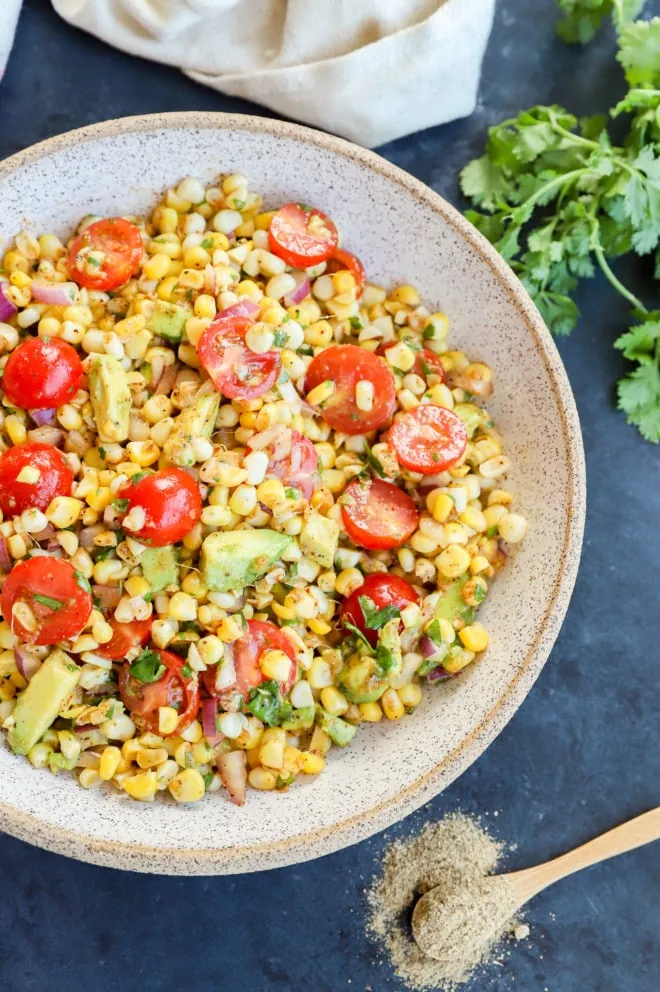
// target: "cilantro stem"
[[607, 272], [557, 181]]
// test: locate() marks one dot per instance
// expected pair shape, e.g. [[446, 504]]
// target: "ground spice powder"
[[457, 854]]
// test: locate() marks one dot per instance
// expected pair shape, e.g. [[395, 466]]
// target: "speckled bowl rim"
[[351, 829]]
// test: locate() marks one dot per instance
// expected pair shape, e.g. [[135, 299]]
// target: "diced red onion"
[[431, 651], [7, 308], [244, 308], [59, 294], [55, 548], [45, 534], [439, 675], [209, 713], [5, 560], [168, 378], [300, 292], [43, 417], [87, 535], [108, 596], [26, 662], [47, 434]]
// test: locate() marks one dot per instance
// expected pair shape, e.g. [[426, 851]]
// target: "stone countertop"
[[577, 758]]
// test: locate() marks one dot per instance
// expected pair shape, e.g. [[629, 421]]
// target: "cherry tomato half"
[[378, 515], [260, 636], [341, 259], [237, 372], [426, 362], [383, 590], [118, 242], [42, 373], [55, 477], [345, 365], [172, 504], [125, 636], [52, 590], [429, 439], [173, 689], [298, 469], [302, 236]]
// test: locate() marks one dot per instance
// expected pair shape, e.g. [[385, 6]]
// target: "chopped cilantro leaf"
[[492, 531], [373, 462], [357, 632], [187, 671], [355, 323], [280, 338], [292, 493], [266, 703], [82, 581], [428, 332], [208, 778], [48, 601], [120, 505], [147, 667], [374, 618]]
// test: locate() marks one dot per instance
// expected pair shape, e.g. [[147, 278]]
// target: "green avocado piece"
[[168, 320], [196, 420], [318, 539], [231, 560], [359, 681], [471, 416], [160, 567], [110, 394], [452, 606], [341, 732], [57, 761], [41, 701], [300, 719]]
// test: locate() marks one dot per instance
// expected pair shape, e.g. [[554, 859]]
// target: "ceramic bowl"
[[403, 232]]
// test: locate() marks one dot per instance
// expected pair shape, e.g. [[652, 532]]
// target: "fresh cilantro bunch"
[[583, 18], [559, 200]]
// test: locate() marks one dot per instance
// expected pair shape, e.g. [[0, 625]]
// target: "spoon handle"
[[626, 837]]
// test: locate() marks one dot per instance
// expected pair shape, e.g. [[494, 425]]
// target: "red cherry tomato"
[[52, 589], [345, 365], [261, 636], [298, 468], [302, 236], [55, 477], [42, 373], [378, 515], [236, 371], [341, 259], [119, 241], [173, 689], [383, 590], [429, 439], [125, 636], [172, 504], [426, 362]]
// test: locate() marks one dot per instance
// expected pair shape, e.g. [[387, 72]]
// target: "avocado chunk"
[[318, 539], [359, 680], [389, 657], [471, 415], [160, 567], [451, 606], [341, 732], [39, 704], [300, 719], [231, 560], [168, 320], [111, 398], [196, 420], [57, 762]]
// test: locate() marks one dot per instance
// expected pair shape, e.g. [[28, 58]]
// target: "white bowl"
[[403, 232]]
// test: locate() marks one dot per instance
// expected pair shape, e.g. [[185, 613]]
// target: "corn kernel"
[[168, 719], [333, 701], [142, 786], [392, 706], [311, 764], [371, 712], [474, 637], [275, 665], [187, 786], [410, 695], [109, 763]]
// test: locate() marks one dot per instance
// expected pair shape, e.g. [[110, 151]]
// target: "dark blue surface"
[[580, 756]]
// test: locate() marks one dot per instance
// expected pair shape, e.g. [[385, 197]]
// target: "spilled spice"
[[456, 855]]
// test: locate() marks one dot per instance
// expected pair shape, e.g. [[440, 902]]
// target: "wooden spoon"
[[501, 896]]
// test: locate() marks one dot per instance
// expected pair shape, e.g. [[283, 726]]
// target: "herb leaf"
[[48, 601], [147, 667], [374, 618], [266, 703]]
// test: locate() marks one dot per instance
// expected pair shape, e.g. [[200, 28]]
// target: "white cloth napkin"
[[370, 70]]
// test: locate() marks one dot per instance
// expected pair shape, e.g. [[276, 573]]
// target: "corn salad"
[[248, 499]]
